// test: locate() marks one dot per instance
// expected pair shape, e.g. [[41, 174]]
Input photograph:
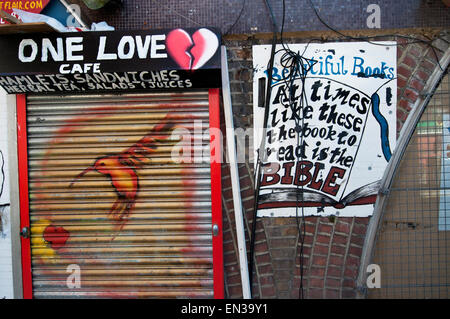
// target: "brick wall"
[[332, 245]]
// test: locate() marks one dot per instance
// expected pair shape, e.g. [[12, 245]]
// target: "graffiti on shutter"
[[110, 204]]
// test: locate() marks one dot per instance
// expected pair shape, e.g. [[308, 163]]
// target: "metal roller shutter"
[[108, 198]]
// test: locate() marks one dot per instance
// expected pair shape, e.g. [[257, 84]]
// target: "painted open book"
[[329, 138]]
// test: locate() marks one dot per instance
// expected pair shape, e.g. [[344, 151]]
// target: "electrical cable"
[[261, 150], [296, 63], [298, 67], [366, 39], [237, 19]]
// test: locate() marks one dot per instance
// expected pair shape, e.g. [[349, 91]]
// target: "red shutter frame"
[[22, 154], [216, 194]]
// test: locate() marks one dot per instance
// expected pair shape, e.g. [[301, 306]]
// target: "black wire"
[[366, 39], [237, 19], [272, 16], [261, 150], [296, 63], [298, 67]]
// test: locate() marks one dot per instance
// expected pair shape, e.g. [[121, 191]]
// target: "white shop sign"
[[330, 160]]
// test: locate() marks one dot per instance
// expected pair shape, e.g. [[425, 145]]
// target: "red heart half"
[[191, 53], [178, 43]]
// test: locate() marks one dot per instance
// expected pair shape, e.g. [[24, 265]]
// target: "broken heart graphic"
[[191, 53]]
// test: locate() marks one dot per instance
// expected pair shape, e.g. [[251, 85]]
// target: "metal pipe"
[[74, 13], [391, 170], [237, 201]]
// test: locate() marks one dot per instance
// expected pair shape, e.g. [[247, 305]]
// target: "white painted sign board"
[[328, 144]]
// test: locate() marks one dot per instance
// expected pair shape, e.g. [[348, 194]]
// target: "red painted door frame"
[[216, 192], [22, 154]]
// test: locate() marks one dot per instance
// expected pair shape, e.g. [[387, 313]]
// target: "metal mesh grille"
[[412, 247], [108, 197]]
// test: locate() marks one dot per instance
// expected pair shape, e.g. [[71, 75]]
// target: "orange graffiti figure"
[[121, 169]]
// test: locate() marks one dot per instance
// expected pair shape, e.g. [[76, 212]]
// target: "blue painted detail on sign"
[[384, 127]]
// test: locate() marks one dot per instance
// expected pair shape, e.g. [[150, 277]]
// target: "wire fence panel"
[[412, 247]]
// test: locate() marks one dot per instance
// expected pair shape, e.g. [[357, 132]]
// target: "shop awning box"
[[112, 61]]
